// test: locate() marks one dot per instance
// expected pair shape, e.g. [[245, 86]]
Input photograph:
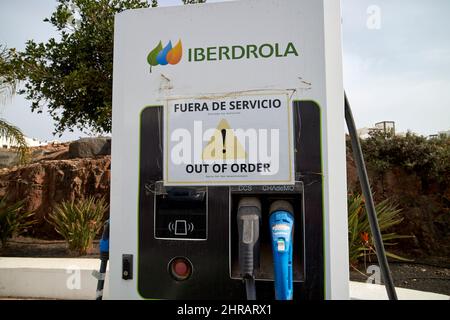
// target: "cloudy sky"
[[396, 61]]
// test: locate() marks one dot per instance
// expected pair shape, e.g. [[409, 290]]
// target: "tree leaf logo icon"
[[151, 57], [165, 55], [162, 56], [174, 55]]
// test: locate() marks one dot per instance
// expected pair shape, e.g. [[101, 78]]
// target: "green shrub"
[[360, 243], [79, 222], [428, 158], [13, 221]]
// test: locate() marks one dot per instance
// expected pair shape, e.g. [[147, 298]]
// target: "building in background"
[[388, 127], [31, 142], [445, 133]]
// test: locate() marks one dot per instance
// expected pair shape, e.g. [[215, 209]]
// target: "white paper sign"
[[228, 140]]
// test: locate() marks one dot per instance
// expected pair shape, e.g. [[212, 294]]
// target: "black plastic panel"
[[181, 213], [210, 258]]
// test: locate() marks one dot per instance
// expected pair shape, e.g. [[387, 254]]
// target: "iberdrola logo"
[[167, 55]]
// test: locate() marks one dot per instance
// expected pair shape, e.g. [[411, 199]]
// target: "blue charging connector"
[[281, 222]]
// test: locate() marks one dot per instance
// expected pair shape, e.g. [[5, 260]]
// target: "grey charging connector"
[[249, 223]]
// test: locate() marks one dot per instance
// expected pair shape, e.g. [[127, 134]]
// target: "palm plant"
[[13, 221], [8, 82], [79, 222], [14, 136], [360, 243], [8, 86]]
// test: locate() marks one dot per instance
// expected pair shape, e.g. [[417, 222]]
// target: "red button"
[[180, 268]]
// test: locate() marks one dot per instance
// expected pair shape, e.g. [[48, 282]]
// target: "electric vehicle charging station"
[[228, 152]]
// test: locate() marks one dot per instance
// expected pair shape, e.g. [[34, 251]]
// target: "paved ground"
[[416, 276]]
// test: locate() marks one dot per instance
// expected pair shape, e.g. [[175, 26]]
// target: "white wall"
[[50, 278]]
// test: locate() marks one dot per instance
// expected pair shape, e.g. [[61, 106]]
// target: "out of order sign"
[[231, 139]]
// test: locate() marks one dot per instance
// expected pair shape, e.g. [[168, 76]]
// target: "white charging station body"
[[289, 48]]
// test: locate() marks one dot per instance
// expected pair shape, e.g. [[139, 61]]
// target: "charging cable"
[[281, 222], [249, 222]]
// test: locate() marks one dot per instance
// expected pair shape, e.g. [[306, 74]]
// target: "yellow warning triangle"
[[223, 145]]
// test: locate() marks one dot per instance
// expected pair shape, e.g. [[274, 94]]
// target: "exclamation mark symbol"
[[224, 134]]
